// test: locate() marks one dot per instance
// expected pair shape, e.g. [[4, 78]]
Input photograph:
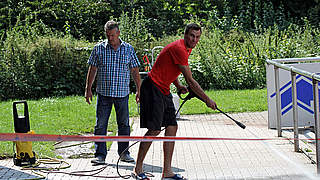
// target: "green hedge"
[[47, 66]]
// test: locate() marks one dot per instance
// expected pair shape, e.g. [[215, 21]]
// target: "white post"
[[295, 111], [316, 118], [278, 100]]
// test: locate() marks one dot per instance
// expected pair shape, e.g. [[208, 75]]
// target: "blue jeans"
[[103, 111]]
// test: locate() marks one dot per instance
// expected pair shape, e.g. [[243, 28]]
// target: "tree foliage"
[[85, 19], [40, 54]]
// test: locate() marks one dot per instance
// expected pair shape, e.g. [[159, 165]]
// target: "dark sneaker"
[[98, 160], [126, 158]]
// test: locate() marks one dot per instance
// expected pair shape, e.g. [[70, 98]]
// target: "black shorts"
[[156, 109]]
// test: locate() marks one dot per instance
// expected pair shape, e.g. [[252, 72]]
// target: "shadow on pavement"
[[146, 167], [9, 173]]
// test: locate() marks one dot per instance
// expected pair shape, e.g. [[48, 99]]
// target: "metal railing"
[[279, 63]]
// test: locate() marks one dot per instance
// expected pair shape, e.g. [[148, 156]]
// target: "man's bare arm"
[[92, 71], [137, 80], [195, 87], [180, 88]]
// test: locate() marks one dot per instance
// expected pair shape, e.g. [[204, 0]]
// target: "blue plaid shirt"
[[113, 68]]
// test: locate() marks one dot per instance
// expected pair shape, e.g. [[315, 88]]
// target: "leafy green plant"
[[134, 30], [36, 66], [236, 59]]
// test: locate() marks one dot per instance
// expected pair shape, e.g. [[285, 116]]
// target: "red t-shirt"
[[165, 70]]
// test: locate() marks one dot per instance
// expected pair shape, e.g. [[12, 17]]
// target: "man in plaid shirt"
[[112, 61]]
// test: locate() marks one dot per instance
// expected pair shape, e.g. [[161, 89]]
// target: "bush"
[[236, 60], [42, 67]]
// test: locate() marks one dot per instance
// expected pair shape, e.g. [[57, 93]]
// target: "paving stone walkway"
[[197, 160]]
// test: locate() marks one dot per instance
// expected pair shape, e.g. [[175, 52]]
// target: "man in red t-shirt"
[[156, 104]]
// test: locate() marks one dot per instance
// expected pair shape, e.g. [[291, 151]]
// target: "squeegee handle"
[[237, 122]]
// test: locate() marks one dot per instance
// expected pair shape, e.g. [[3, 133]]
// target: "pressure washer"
[[191, 95], [24, 155]]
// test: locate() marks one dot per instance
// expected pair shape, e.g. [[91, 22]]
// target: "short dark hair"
[[192, 26], [111, 25]]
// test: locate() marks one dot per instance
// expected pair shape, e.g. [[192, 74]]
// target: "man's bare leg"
[[143, 149], [168, 148]]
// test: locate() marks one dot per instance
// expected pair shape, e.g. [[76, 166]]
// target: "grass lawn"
[[72, 115], [229, 101]]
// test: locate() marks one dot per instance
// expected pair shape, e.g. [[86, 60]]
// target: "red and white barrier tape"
[[53, 137]]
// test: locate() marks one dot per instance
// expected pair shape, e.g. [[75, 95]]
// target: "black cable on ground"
[[147, 173], [122, 153], [48, 170]]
